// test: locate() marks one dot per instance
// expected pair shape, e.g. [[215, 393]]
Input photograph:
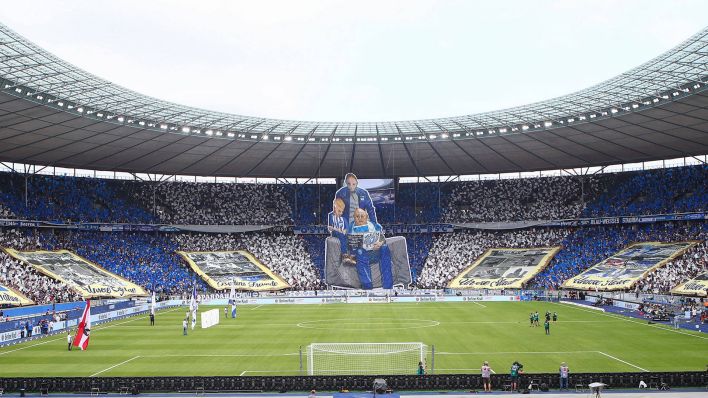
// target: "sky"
[[356, 60]]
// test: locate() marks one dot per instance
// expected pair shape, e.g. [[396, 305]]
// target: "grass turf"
[[265, 340]]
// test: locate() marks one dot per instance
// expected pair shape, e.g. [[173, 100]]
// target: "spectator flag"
[[82, 332], [232, 301], [193, 306], [152, 305], [193, 299]]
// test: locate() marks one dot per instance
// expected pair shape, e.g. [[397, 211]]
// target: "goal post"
[[366, 358]]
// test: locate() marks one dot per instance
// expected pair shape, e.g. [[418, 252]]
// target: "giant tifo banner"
[[628, 266], [504, 268], [360, 253], [12, 297], [697, 286], [87, 278], [237, 269]]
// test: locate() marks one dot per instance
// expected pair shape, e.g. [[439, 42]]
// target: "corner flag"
[[82, 332]]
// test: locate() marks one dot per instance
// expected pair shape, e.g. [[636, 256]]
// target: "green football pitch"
[[266, 340]]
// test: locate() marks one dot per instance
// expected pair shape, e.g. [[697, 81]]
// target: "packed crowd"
[[587, 246], [679, 270], [53, 198], [146, 259], [5, 212], [69, 199], [548, 198], [25, 279], [215, 204], [150, 259], [284, 254], [661, 191], [453, 252]]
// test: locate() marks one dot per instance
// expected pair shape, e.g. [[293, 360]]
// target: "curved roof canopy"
[[54, 113]]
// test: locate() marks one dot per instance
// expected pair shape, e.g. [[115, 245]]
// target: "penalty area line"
[[115, 366], [625, 362]]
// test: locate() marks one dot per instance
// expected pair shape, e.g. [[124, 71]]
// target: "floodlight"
[[185, 129]]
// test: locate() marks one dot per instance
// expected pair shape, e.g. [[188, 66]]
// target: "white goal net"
[[364, 358]]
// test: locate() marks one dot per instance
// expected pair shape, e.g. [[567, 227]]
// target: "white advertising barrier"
[[362, 300], [210, 318], [11, 335]]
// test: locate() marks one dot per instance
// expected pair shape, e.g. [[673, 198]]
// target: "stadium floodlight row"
[[29, 70]]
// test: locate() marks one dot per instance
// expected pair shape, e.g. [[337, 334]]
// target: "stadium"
[[155, 248]]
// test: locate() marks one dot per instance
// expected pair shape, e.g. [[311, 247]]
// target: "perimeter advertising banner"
[[85, 277], [237, 269], [626, 267], [697, 286], [9, 296], [504, 268]]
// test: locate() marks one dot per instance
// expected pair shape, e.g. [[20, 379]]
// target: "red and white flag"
[[82, 333]]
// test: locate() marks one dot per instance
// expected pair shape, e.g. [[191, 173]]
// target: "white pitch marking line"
[[221, 355], [99, 327], [257, 307], [514, 352], [115, 366], [623, 318], [243, 373], [617, 359], [480, 304]]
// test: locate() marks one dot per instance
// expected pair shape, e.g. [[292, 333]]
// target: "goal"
[[365, 358]]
